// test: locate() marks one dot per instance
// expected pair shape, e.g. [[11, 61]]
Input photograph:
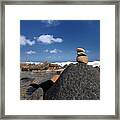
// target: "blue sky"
[[57, 40]]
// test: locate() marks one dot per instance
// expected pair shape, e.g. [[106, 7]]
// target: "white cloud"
[[50, 23], [55, 51], [49, 39], [24, 41], [30, 52], [34, 37], [52, 51], [30, 42]]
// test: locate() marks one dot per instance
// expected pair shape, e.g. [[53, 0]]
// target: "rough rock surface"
[[77, 82], [37, 94], [30, 81]]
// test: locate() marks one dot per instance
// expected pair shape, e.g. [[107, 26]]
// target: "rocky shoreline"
[[78, 81], [47, 81]]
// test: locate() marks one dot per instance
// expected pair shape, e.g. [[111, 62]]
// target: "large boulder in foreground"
[[77, 82]]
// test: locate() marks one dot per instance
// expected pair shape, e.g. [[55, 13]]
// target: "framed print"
[[60, 59]]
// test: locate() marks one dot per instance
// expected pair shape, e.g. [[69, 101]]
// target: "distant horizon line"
[[52, 61]]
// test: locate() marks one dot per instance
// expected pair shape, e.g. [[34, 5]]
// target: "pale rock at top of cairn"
[[80, 50], [81, 56]]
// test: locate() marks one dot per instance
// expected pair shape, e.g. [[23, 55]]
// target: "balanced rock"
[[81, 56], [80, 50]]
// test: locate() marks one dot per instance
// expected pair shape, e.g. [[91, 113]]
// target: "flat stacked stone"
[[81, 56]]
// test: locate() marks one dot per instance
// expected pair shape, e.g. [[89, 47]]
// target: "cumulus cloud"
[[35, 38], [24, 41], [49, 39], [55, 51], [30, 52]]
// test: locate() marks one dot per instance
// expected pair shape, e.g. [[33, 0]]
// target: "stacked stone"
[[81, 56]]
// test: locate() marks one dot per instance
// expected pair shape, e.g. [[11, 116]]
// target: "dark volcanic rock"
[[37, 94], [77, 82], [35, 87]]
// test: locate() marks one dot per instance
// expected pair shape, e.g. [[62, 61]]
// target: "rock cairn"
[[81, 56], [77, 82]]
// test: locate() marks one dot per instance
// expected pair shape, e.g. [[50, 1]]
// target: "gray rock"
[[78, 81], [37, 94]]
